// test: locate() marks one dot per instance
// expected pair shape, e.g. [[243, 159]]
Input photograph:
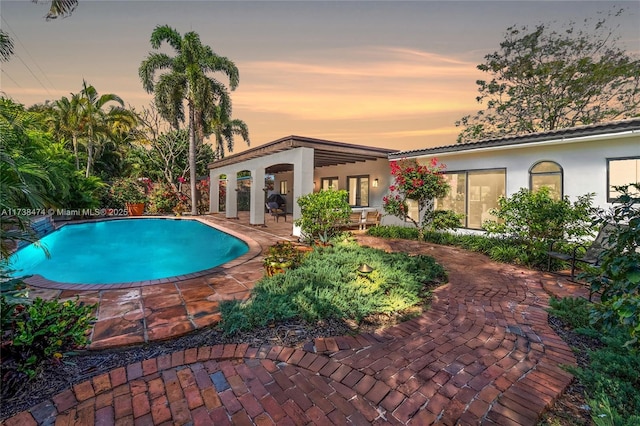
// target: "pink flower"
[[181, 179]]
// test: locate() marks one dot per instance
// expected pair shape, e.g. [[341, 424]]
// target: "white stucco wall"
[[584, 162]]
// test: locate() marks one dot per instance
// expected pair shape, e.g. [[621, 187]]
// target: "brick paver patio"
[[482, 354]]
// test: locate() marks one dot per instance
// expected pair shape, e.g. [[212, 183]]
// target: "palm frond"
[[148, 68], [166, 33], [6, 46], [60, 8]]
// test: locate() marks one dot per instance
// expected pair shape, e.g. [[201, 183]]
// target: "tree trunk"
[[192, 162], [74, 138]]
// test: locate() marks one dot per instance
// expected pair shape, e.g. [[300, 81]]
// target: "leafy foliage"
[[612, 378], [187, 80], [43, 331], [323, 213], [327, 285], [544, 79], [618, 277], [421, 184], [127, 190], [535, 219]]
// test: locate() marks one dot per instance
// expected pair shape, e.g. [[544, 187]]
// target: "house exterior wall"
[[378, 169], [583, 161]]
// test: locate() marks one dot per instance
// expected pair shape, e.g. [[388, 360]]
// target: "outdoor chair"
[[372, 219], [355, 220], [592, 253], [275, 211]]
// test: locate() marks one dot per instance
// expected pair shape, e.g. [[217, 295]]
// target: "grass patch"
[[327, 286]]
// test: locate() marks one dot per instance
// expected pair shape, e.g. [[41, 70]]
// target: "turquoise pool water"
[[129, 250]]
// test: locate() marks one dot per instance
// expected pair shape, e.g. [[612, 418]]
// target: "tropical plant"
[[187, 80], [44, 330], [224, 129], [420, 184], [98, 124], [6, 46], [322, 214], [549, 78], [617, 278], [127, 191]]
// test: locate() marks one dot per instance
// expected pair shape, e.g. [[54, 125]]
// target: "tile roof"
[[621, 126]]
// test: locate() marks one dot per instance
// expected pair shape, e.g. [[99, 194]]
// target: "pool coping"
[[254, 250]]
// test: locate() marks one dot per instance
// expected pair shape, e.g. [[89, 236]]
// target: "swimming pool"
[[127, 250]]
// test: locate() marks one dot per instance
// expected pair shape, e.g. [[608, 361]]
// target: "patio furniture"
[[275, 211], [592, 254], [372, 219], [355, 220]]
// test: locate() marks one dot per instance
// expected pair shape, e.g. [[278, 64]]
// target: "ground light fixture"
[[365, 269]]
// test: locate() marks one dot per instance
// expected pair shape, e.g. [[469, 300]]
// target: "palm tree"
[[187, 80], [94, 121], [225, 129], [64, 121]]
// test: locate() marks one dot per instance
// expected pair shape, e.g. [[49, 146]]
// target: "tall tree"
[[546, 79], [64, 120], [95, 122], [187, 80]]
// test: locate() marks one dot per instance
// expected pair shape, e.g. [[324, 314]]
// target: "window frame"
[[560, 172], [358, 195], [330, 179], [608, 188], [466, 188]]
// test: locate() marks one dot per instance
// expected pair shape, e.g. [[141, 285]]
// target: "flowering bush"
[[162, 198], [421, 184]]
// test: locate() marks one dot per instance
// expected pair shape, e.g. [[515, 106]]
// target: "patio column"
[[302, 180], [214, 192], [256, 204], [232, 195]]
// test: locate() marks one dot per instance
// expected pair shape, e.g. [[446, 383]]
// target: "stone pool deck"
[[482, 354]]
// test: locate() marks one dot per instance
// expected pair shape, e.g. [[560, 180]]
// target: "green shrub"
[[614, 372], [612, 378], [327, 285], [393, 232], [323, 213], [507, 254], [573, 310], [618, 275], [535, 219], [162, 199], [43, 330]]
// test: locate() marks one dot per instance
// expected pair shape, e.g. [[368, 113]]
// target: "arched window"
[[549, 174]]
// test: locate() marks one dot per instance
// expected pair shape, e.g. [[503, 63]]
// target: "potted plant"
[[130, 193]]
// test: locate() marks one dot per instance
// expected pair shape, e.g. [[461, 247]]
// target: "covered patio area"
[[292, 167]]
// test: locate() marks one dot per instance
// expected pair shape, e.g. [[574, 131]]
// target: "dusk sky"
[[387, 74]]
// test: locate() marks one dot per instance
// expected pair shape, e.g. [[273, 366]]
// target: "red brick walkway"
[[482, 354]]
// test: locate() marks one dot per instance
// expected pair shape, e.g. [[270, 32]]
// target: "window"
[[329, 183], [473, 194], [283, 187], [358, 187], [549, 174], [621, 171]]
